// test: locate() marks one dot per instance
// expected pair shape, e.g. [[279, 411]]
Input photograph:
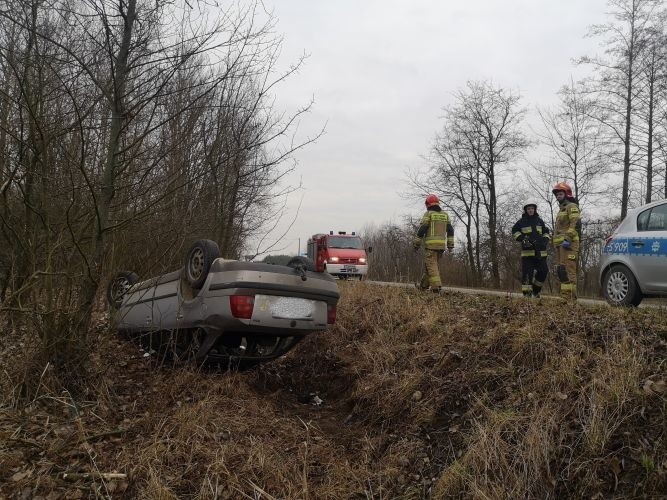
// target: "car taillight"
[[242, 305], [331, 314]]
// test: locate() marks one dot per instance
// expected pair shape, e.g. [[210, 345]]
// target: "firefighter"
[[566, 240], [533, 235], [436, 233]]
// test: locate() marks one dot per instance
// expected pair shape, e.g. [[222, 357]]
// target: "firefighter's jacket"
[[568, 222], [533, 234], [435, 230]]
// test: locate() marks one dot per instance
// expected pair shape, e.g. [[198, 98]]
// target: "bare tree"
[[480, 141], [577, 146], [127, 128], [488, 120], [624, 41], [652, 83]]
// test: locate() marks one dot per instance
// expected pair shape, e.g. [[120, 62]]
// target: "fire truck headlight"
[[362, 260], [333, 259]]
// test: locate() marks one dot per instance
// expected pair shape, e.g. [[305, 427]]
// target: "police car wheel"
[[620, 287]]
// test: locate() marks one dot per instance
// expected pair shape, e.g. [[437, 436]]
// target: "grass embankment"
[[422, 395]]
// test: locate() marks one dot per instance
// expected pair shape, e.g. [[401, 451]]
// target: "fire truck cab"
[[339, 254]]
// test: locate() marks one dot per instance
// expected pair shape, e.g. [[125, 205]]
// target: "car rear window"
[[653, 219]]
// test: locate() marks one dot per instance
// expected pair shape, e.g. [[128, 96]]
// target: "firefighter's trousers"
[[534, 271], [431, 277], [566, 270]]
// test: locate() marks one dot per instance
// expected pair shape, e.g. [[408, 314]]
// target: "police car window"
[[642, 220], [658, 218]]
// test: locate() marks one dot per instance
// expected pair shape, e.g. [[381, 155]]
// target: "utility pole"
[[299, 250]]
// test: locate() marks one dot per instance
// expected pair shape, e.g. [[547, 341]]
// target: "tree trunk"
[[649, 144], [628, 124], [493, 230], [118, 116]]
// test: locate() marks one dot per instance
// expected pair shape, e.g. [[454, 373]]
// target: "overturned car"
[[234, 313]]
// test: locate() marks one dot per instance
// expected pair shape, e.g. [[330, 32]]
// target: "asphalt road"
[[660, 304]]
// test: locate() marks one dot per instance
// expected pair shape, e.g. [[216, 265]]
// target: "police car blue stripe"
[[652, 247]]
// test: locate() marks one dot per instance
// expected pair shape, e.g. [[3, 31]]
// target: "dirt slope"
[[409, 396]]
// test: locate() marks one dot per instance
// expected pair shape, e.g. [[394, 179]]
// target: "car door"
[[648, 248]]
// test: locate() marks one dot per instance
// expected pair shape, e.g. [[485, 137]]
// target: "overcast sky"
[[381, 72]]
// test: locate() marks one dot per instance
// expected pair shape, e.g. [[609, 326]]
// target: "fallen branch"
[[82, 476]]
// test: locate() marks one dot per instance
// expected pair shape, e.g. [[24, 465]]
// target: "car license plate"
[[291, 308], [350, 269]]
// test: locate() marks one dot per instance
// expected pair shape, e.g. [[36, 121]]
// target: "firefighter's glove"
[[566, 244], [526, 244]]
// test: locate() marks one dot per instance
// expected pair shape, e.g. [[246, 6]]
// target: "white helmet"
[[529, 203]]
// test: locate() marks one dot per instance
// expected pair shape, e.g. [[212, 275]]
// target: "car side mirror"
[[369, 249]]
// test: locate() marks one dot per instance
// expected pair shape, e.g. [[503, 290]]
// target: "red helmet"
[[563, 186], [431, 200]]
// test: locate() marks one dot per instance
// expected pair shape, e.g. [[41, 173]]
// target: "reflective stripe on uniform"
[[572, 256], [436, 237], [567, 287], [527, 230], [527, 253], [526, 288], [517, 235]]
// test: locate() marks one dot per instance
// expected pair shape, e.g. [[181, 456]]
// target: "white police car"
[[634, 258]]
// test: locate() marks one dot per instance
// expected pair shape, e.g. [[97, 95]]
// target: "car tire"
[[620, 287], [198, 262], [118, 287], [307, 263]]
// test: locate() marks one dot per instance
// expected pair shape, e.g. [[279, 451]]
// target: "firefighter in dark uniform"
[[533, 235], [435, 233], [566, 240]]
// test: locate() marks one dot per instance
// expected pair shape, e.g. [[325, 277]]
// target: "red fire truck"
[[339, 254]]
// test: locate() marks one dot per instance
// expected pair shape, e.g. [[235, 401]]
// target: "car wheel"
[[119, 286], [303, 262], [198, 261], [620, 287]]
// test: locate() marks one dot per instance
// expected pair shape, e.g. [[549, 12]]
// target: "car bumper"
[[347, 269]]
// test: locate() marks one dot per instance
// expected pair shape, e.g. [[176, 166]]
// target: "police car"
[[634, 258]]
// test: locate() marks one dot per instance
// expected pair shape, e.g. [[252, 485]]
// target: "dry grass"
[[424, 396]]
